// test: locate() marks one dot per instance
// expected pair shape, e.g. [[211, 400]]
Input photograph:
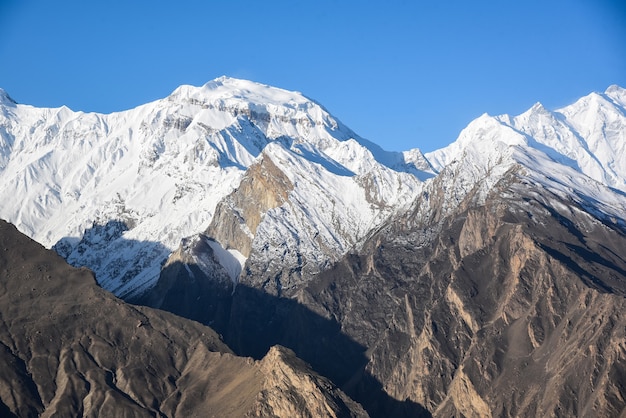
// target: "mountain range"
[[486, 278]]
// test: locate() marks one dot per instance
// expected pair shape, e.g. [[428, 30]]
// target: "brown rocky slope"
[[504, 307], [69, 348]]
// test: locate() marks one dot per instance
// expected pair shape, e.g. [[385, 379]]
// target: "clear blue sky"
[[403, 74]]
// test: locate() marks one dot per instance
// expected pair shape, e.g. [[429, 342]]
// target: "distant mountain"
[[487, 278], [118, 192], [500, 292]]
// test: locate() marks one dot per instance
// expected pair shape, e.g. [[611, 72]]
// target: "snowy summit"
[[120, 192]]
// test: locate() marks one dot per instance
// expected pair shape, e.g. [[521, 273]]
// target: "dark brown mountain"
[[69, 348], [502, 307]]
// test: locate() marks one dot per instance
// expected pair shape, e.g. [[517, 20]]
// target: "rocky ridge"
[[498, 292], [70, 348], [507, 308]]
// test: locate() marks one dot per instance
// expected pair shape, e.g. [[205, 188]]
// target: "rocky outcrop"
[[263, 187], [510, 308], [70, 348], [290, 389], [197, 283]]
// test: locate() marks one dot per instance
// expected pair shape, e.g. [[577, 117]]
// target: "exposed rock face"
[[502, 306], [288, 219], [69, 348], [511, 303], [510, 308], [290, 390], [237, 217]]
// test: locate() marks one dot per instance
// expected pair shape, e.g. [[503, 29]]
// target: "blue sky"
[[402, 73]]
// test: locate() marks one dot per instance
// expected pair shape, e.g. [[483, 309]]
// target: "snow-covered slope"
[[330, 208], [589, 136], [118, 192], [578, 152]]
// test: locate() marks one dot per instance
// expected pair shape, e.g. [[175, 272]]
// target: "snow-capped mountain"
[[118, 192], [587, 136], [443, 280], [578, 152], [499, 292]]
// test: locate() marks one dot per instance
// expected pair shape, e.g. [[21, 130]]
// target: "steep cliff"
[[238, 215], [507, 308]]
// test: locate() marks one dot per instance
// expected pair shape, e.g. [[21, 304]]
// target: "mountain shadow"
[[252, 321], [69, 348], [185, 289], [119, 263]]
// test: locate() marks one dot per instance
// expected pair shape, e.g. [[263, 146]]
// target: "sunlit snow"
[[158, 172]]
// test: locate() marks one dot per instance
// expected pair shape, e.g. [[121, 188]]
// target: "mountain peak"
[[536, 112], [242, 84], [538, 107], [5, 98], [617, 93], [614, 88], [236, 92], [233, 83]]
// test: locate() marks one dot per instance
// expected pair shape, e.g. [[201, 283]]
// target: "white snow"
[[231, 259], [589, 136], [328, 210], [160, 170], [118, 192]]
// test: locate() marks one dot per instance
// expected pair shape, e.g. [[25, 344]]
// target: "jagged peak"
[[539, 108], [484, 127], [536, 111], [5, 98]]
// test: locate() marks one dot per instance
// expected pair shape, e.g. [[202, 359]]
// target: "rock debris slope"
[[505, 308], [70, 348]]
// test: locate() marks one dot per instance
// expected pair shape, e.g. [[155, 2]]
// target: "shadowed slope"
[[68, 347]]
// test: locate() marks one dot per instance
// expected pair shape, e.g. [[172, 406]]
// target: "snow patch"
[[231, 259]]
